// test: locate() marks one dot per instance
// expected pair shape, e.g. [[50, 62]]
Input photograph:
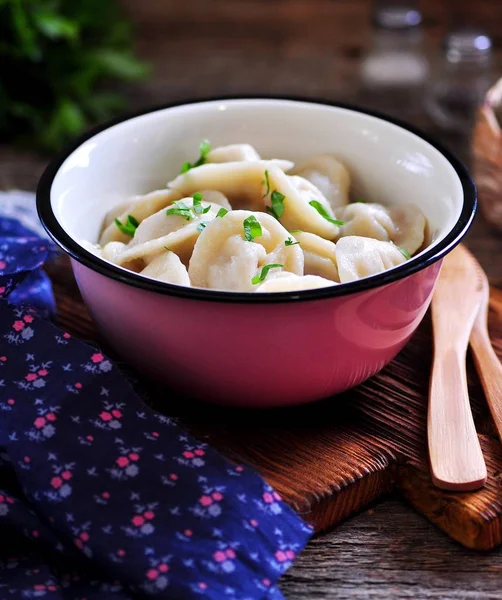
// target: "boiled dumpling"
[[176, 232], [329, 175], [320, 255], [167, 267], [359, 257], [410, 227], [403, 225], [297, 212], [232, 153], [288, 282], [223, 259], [139, 207], [240, 182]]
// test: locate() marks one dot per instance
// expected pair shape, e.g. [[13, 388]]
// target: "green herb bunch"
[[57, 60]]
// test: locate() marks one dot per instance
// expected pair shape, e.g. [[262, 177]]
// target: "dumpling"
[[139, 207], [112, 250], [297, 211], [288, 282], [232, 153], [241, 181], [329, 175], [167, 267], [223, 259], [359, 257], [410, 226], [320, 255], [403, 225], [366, 220], [175, 232]]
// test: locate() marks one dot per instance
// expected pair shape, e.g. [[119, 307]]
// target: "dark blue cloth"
[[100, 497]]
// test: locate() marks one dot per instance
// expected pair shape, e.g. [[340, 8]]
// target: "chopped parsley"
[[290, 242], [324, 213], [168, 249], [222, 212], [129, 227], [252, 229], [181, 210], [404, 252], [204, 149], [201, 226], [198, 209], [296, 231], [267, 182], [264, 272], [361, 201], [277, 200]]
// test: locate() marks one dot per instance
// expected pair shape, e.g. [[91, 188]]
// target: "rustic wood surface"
[[314, 48]]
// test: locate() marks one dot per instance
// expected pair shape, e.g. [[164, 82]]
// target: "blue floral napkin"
[[100, 497]]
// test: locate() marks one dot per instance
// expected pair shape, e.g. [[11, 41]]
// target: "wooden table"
[[314, 48]]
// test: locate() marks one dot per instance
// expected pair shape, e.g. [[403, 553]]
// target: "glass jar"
[[461, 77]]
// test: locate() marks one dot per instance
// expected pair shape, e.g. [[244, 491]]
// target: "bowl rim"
[[93, 262]]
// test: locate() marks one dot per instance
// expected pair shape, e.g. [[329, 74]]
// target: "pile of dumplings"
[[233, 221]]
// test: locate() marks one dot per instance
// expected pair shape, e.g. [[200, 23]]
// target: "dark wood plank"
[[390, 552]]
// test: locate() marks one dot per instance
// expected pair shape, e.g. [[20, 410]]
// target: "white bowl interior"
[[388, 164]]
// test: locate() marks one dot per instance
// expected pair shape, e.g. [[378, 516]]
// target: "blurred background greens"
[[58, 61]]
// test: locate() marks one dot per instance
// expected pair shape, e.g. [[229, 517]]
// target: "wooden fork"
[[487, 363]]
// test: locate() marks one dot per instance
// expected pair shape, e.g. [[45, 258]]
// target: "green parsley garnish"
[[361, 201], [267, 181], [277, 200], [201, 226], [252, 229], [129, 227], [180, 209], [204, 149], [404, 252], [264, 272], [198, 209], [290, 242], [222, 212], [296, 231], [168, 249], [324, 213]]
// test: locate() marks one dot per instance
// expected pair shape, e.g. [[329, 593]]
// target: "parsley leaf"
[[180, 209], [129, 227], [222, 212], [361, 201], [324, 213], [290, 242], [404, 252], [201, 226], [264, 272], [267, 181], [277, 200], [198, 209], [296, 231], [252, 229], [204, 149]]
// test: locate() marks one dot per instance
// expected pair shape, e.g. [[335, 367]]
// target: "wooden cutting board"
[[332, 458]]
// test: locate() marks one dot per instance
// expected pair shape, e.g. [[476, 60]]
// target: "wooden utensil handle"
[[489, 370], [455, 454]]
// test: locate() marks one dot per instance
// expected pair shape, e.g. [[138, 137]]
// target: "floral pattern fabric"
[[101, 497]]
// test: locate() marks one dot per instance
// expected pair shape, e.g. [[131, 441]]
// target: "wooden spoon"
[[487, 363], [455, 454]]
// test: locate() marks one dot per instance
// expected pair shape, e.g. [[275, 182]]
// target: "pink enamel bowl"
[[262, 350]]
